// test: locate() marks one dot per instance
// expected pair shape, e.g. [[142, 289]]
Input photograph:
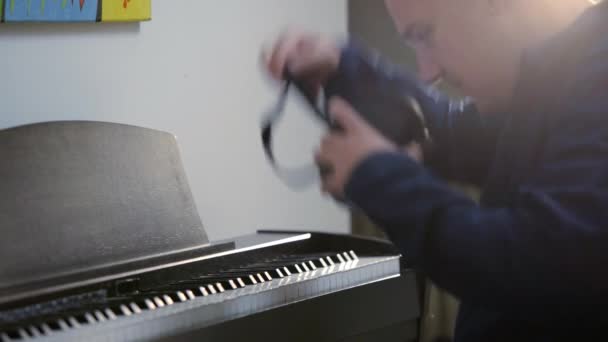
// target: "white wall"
[[192, 71]]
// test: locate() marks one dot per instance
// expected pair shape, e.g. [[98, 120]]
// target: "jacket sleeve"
[[463, 141], [549, 246]]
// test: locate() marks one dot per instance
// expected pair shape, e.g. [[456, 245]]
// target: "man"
[[528, 262]]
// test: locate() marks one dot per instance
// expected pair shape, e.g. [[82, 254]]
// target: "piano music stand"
[[107, 193]]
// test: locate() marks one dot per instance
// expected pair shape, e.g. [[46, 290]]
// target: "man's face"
[[473, 45]]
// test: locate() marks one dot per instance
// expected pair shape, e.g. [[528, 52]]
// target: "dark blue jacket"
[[530, 262]]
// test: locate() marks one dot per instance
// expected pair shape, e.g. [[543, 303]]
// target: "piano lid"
[[76, 195]]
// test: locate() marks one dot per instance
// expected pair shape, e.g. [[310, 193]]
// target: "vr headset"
[[396, 115]]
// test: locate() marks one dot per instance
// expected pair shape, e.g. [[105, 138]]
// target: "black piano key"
[[54, 325], [304, 264], [287, 259], [13, 334], [76, 320]]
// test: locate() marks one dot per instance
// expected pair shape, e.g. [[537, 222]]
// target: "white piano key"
[[23, 334], [63, 325], [340, 258], [261, 303], [280, 273], [346, 256], [268, 276], [316, 287], [329, 260], [286, 270], [46, 329], [326, 284], [4, 337], [298, 268], [90, 319], [353, 255], [204, 291], [348, 278], [125, 310], [241, 308], [241, 282], [254, 303], [135, 308], [220, 287], [34, 332], [182, 297], [232, 284], [305, 268], [304, 289], [190, 294], [159, 302], [260, 278], [99, 316], [110, 314], [291, 293], [303, 276], [253, 279], [168, 300], [211, 289], [332, 283], [150, 304], [73, 322], [312, 265], [323, 262]]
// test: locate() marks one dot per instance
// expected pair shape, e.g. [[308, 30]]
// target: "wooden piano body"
[[101, 241]]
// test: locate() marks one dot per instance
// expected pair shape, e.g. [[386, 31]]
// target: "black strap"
[[296, 177]]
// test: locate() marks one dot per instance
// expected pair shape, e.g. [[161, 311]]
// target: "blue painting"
[[50, 10]]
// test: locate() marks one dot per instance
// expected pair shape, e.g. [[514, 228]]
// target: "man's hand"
[[311, 58], [344, 149]]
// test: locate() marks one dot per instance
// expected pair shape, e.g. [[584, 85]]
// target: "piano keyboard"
[[211, 299]]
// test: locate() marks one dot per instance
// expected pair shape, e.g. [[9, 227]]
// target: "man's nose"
[[429, 70]]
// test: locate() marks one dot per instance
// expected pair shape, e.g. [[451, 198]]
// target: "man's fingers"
[[414, 150], [325, 168], [344, 115], [329, 178], [332, 143], [294, 51], [284, 46]]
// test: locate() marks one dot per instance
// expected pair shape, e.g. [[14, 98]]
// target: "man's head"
[[476, 45]]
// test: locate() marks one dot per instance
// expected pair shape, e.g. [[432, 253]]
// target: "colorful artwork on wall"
[[125, 10], [74, 10]]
